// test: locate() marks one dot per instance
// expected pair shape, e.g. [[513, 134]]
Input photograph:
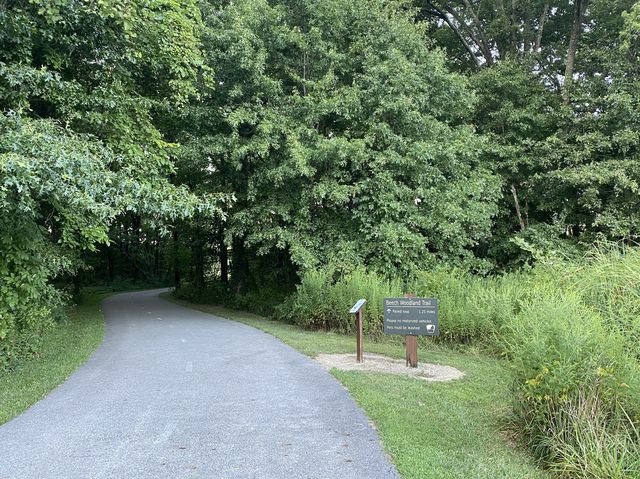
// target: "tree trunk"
[[109, 256], [542, 21], [483, 43], [576, 32], [176, 261], [437, 12], [224, 259], [156, 258], [135, 246], [476, 38], [517, 203], [198, 260], [239, 266], [514, 30]]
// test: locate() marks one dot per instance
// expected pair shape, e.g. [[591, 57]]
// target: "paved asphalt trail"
[[174, 393]]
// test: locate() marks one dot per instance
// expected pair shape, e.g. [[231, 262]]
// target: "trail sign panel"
[[356, 307], [411, 316]]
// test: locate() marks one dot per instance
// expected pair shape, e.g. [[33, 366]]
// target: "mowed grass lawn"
[[430, 430], [65, 347]]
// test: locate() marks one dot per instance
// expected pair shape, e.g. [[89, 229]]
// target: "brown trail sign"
[[411, 317]]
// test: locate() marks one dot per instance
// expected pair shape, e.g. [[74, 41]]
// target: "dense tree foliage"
[[245, 142], [80, 85], [342, 136], [557, 85], [233, 148]]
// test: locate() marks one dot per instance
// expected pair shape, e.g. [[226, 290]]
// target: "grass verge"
[[65, 347], [430, 430]]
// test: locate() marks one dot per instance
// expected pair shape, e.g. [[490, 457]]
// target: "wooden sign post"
[[411, 345], [357, 310], [411, 317]]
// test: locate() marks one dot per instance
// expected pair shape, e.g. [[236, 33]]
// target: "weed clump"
[[569, 330]]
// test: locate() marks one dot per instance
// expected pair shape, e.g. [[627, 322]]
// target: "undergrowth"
[[569, 330]]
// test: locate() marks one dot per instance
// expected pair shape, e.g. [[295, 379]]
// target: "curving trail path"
[[175, 393]]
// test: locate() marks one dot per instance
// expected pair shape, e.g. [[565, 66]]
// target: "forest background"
[[286, 156]]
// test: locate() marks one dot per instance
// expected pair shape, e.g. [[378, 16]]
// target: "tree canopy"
[[81, 85], [234, 145], [345, 136]]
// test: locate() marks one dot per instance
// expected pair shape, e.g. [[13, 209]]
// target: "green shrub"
[[322, 302], [24, 322], [569, 329], [564, 359], [471, 309], [586, 440], [309, 305], [262, 301], [216, 293], [609, 282]]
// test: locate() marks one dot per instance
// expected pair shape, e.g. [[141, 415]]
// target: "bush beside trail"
[[568, 329], [322, 302]]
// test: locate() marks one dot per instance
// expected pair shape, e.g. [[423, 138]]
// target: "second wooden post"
[[357, 310], [359, 336]]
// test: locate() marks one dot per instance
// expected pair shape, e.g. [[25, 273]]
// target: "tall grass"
[[608, 281], [585, 439], [566, 362], [570, 331], [471, 309], [322, 300]]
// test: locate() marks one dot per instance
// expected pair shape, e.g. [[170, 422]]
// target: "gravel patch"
[[383, 364]]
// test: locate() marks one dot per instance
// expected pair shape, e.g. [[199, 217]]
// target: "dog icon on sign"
[[431, 328]]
